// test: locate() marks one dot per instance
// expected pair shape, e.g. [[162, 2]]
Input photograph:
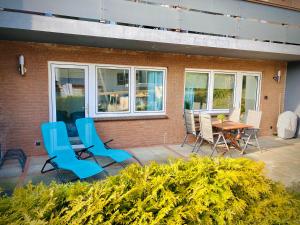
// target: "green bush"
[[199, 191]]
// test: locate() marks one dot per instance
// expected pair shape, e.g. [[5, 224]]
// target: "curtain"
[[155, 90]]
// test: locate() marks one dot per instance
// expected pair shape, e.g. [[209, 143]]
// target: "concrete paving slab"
[[159, 154], [10, 168]]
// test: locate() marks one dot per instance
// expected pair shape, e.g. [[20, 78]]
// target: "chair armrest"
[[87, 148], [84, 150], [49, 160], [106, 143], [51, 163]]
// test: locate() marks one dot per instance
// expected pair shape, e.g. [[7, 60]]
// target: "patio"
[[282, 159]]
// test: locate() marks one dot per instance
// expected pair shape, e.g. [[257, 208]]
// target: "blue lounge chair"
[[62, 156], [94, 145]]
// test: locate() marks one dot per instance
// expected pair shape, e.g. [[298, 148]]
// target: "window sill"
[[125, 118], [212, 112]]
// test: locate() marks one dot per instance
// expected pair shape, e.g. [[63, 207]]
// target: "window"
[[220, 91], [104, 91], [112, 90], [70, 96], [149, 90], [129, 91], [196, 87], [249, 93], [223, 91]]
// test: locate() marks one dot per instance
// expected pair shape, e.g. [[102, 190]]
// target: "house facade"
[[134, 66]]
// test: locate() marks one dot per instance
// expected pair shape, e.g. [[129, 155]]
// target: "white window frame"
[[237, 87], [164, 70], [52, 88], [120, 113], [240, 88], [212, 88], [91, 92], [208, 98]]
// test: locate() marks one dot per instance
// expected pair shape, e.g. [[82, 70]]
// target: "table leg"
[[233, 141]]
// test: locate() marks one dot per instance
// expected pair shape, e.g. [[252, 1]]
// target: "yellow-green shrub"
[[199, 191]]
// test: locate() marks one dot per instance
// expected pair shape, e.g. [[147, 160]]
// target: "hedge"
[[197, 191]]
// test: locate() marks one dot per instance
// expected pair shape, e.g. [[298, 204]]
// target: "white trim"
[[208, 72], [237, 87], [52, 89], [212, 89], [95, 95], [91, 89], [164, 70], [258, 91]]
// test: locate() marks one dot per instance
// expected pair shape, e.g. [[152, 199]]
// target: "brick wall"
[[25, 105]]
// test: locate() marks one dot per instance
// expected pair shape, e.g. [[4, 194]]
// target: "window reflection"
[[196, 91], [149, 90], [113, 90], [223, 91], [70, 97]]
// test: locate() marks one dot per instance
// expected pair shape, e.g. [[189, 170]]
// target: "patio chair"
[[214, 139], [234, 115], [190, 128], [253, 119], [11, 154], [96, 147], [62, 156]]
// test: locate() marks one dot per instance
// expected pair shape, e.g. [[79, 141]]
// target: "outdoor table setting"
[[231, 130]]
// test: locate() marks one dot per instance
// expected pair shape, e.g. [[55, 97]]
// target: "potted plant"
[[221, 118]]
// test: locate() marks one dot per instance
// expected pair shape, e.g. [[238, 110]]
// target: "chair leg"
[[48, 170], [215, 145], [213, 150], [94, 158], [136, 159], [246, 144], [196, 142], [225, 142], [200, 145], [257, 143], [184, 140], [122, 164], [226, 145]]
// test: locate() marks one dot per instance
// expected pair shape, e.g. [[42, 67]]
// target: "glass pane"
[[113, 90], [249, 93], [196, 91], [223, 91], [70, 100], [149, 90]]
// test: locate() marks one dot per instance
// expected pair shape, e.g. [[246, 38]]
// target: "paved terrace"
[[282, 159]]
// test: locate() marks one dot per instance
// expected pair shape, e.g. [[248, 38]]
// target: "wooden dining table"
[[231, 130]]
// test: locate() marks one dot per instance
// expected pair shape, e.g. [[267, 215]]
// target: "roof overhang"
[[36, 28]]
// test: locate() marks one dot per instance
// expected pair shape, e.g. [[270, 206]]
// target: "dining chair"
[[253, 118], [190, 127], [234, 115], [207, 134]]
